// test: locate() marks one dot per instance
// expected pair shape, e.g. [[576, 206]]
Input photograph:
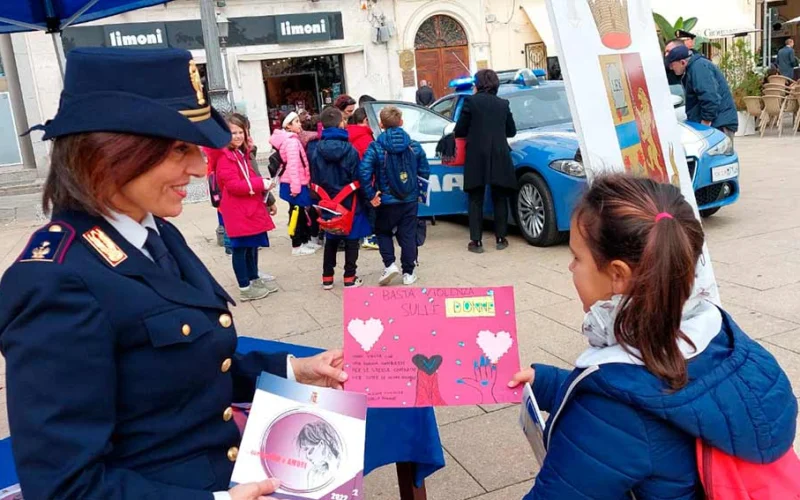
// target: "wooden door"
[[441, 65]]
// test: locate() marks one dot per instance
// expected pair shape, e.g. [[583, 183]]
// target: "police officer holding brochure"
[[119, 344]]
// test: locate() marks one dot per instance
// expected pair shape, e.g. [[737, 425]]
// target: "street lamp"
[[223, 27], [213, 27]]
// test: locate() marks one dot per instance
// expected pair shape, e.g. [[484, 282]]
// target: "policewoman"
[[119, 344]]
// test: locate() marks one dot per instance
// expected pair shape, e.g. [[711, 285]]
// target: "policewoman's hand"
[[525, 376], [254, 491], [322, 370]]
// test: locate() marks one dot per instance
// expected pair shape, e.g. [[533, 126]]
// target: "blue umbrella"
[[54, 16]]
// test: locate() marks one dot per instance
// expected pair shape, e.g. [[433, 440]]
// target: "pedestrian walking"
[[708, 98], [425, 95], [119, 345], [486, 123], [247, 220], [675, 371], [295, 183], [334, 166], [395, 163], [787, 60]]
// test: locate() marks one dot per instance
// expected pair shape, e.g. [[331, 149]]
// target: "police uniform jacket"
[[120, 376]]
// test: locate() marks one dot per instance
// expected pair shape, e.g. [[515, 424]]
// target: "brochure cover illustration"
[[310, 438]]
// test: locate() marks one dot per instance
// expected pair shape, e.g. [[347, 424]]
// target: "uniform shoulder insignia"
[[49, 244]]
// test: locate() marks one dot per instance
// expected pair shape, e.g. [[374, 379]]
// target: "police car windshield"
[[540, 107]]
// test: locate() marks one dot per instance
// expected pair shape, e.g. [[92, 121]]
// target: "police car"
[[547, 157]]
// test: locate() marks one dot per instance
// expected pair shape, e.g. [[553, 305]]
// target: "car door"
[[427, 128]]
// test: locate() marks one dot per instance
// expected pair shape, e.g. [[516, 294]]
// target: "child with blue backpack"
[[669, 388], [334, 168], [396, 163]]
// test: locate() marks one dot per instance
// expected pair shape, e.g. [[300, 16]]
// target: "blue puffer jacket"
[[615, 429], [392, 141], [708, 96], [334, 164]]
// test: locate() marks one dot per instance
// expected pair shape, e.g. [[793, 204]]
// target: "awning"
[[536, 10], [715, 18]]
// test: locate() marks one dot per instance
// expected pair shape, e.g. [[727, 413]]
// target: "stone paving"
[[755, 247]]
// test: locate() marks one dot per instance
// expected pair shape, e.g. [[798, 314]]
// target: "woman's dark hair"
[[86, 170], [359, 116], [365, 98], [486, 80], [343, 101], [619, 217], [319, 432]]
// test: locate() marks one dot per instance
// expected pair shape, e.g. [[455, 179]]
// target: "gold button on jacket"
[[227, 414], [186, 330], [225, 320], [226, 365], [233, 452]]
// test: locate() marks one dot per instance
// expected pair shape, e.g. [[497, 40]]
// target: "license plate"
[[725, 172]]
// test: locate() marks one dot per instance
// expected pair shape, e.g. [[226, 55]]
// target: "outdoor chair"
[[780, 79], [773, 107], [775, 89], [755, 107], [790, 107]]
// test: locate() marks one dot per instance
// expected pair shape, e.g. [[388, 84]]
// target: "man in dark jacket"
[[486, 122], [425, 95], [787, 59], [708, 98]]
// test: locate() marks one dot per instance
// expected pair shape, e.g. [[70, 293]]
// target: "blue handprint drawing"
[[483, 380]]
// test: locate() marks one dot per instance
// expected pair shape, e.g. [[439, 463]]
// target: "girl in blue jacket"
[[664, 367]]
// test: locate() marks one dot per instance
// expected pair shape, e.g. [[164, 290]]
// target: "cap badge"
[[197, 83]]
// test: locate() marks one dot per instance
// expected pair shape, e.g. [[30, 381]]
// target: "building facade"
[[281, 56]]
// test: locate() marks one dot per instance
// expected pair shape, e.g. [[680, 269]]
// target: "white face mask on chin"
[[701, 322], [598, 323]]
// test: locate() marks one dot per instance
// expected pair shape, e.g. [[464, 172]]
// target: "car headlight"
[[569, 167], [725, 147]]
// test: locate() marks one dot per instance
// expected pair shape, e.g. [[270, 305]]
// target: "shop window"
[[302, 83]]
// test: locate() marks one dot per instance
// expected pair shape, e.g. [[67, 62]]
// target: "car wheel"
[[535, 212], [709, 212]]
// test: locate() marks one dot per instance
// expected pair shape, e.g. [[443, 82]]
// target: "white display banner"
[[620, 100]]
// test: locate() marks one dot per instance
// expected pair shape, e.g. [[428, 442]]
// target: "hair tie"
[[663, 215]]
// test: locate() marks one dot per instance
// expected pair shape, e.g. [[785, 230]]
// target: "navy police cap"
[[678, 53], [156, 92]]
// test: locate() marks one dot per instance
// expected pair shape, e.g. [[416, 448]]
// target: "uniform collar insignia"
[[105, 246]]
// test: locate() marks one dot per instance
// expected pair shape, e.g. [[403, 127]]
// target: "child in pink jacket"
[[295, 182]]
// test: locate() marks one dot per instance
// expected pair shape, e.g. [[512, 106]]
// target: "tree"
[[666, 30]]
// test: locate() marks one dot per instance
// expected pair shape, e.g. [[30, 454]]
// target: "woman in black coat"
[[486, 122]]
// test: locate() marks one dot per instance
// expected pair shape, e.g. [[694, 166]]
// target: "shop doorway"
[[442, 53], [301, 83]]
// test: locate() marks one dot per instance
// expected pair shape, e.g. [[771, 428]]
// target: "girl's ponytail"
[[652, 228]]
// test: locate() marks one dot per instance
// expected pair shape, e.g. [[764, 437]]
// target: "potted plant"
[[737, 64]]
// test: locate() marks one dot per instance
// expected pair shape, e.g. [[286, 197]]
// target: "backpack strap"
[[320, 192], [346, 191]]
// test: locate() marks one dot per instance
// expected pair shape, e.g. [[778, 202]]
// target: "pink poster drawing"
[[418, 347]]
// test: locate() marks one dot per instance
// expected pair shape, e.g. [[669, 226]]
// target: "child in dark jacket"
[[664, 366], [334, 165], [396, 163]]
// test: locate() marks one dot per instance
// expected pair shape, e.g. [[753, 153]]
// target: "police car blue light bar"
[[462, 83]]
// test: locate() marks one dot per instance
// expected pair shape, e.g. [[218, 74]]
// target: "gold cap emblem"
[[197, 83]]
